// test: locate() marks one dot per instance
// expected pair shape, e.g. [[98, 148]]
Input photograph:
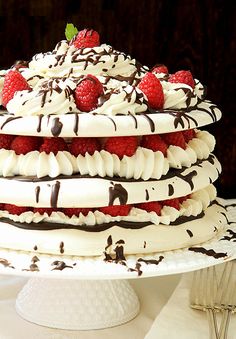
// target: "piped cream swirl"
[[103, 163]]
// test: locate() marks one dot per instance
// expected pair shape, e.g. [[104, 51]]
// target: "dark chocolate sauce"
[[76, 124], [61, 247], [170, 190], [151, 261], [60, 265], [210, 252], [54, 194], [5, 263], [231, 237], [37, 191], [188, 178], [109, 242], [150, 121], [136, 269], [147, 195], [9, 120], [56, 127], [190, 233], [33, 267], [117, 191], [40, 117], [119, 250]]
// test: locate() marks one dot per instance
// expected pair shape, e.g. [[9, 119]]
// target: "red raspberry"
[[53, 145], [121, 146], [155, 143], [42, 210], [13, 82], [172, 203], [76, 211], [13, 209], [175, 138], [84, 145], [150, 85], [189, 135], [6, 140], [25, 144], [87, 92], [183, 77], [115, 210], [1, 206], [159, 68], [151, 206], [86, 38]]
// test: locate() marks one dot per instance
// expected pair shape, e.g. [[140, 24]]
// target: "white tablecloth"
[[153, 294]]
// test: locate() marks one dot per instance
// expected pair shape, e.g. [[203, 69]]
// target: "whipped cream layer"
[[193, 206], [92, 125], [77, 191], [66, 60], [148, 239], [144, 164]]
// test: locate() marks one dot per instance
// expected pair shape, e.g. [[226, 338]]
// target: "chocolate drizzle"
[[6, 263], [37, 192], [188, 178], [9, 120], [117, 191], [40, 117], [56, 127], [76, 124], [147, 195], [54, 194], [33, 267], [209, 252], [136, 269], [170, 190], [190, 233], [150, 121], [119, 250], [231, 237], [109, 242], [61, 247], [60, 265], [151, 261]]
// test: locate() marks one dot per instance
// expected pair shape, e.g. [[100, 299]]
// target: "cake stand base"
[[77, 304]]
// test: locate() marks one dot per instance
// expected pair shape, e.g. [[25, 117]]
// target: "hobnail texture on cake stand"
[[77, 304]]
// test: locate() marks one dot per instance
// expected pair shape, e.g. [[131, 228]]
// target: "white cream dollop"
[[48, 97], [144, 164]]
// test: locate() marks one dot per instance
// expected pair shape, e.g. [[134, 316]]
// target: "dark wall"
[[183, 34]]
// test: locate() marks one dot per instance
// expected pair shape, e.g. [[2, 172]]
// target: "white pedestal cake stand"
[[76, 293], [77, 304]]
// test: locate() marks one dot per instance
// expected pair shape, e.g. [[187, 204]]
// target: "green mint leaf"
[[70, 31]]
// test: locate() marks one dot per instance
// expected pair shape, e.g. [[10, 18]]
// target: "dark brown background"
[[188, 34]]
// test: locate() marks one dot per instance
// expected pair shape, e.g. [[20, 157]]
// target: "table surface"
[[153, 294]]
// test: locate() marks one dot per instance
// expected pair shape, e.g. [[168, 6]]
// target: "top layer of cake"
[[49, 108]]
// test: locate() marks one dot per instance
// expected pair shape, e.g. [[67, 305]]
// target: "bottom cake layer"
[[117, 241]]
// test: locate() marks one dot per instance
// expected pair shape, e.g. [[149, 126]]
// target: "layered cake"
[[98, 152]]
